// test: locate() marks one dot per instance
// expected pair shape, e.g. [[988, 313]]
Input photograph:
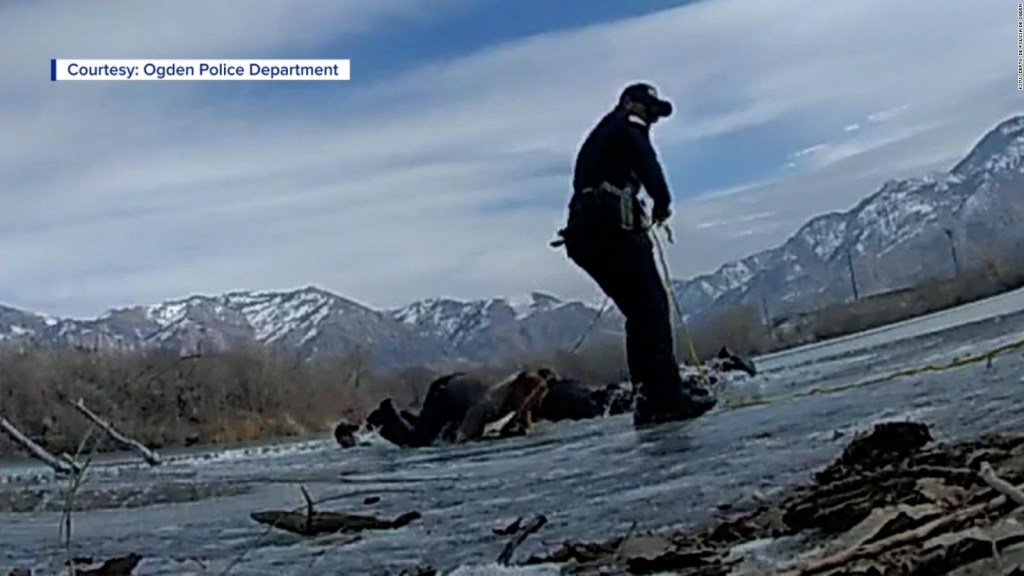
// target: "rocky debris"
[[887, 443], [887, 506]]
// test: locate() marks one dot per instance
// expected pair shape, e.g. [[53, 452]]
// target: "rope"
[[824, 390], [677, 313], [960, 362], [674, 303], [593, 322]]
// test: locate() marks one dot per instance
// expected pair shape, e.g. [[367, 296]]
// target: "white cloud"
[[401, 188], [809, 150], [736, 220], [884, 115]]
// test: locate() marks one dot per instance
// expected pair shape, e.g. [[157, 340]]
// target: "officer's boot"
[[678, 403], [390, 424]]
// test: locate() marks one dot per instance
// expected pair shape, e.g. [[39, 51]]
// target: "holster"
[[620, 204]]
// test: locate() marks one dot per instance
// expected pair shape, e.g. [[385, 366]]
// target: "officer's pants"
[[622, 263]]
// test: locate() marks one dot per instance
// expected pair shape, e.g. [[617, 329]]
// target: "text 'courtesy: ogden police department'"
[[64, 69]]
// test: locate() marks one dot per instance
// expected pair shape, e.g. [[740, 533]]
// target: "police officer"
[[607, 236]]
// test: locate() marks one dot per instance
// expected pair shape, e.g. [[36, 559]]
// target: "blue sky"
[[442, 168]]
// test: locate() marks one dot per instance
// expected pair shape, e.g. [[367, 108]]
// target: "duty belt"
[[626, 199]]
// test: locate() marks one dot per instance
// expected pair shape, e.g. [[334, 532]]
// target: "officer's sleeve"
[[647, 166]]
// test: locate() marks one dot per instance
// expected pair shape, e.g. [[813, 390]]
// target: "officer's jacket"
[[618, 151]]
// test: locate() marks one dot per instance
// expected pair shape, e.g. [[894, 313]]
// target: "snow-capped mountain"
[[901, 235], [905, 233], [500, 328], [310, 323]]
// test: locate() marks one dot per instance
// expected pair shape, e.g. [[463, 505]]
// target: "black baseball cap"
[[648, 95]]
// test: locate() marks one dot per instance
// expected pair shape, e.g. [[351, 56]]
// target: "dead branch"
[[901, 539], [316, 523], [532, 526], [510, 529], [622, 544], [60, 466], [1002, 486], [148, 455], [75, 483], [309, 509]]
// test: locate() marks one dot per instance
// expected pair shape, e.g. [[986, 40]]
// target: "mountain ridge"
[[976, 201], [905, 232]]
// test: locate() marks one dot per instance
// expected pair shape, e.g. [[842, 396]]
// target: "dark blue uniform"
[[619, 151], [617, 253]]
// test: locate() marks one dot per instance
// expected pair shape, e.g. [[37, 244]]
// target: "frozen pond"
[[591, 479]]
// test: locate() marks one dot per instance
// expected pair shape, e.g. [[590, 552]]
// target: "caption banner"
[[199, 70]]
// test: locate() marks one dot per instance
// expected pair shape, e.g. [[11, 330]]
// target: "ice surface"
[[592, 479], [1007, 303]]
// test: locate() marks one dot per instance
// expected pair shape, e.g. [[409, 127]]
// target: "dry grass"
[[163, 400], [986, 280]]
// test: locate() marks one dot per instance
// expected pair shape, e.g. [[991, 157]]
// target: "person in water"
[[458, 407]]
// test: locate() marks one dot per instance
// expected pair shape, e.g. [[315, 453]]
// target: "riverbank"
[[890, 504]]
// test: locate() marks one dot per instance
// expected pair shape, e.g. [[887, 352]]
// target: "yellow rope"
[[821, 390], [677, 311], [665, 275], [817, 390]]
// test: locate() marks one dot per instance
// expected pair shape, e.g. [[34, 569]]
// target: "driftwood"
[[529, 528], [329, 522], [313, 523], [909, 537], [888, 505], [1002, 486], [59, 465], [148, 455]]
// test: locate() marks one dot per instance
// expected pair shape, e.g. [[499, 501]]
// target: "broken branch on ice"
[[59, 465], [148, 455], [313, 523], [529, 528], [328, 522]]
